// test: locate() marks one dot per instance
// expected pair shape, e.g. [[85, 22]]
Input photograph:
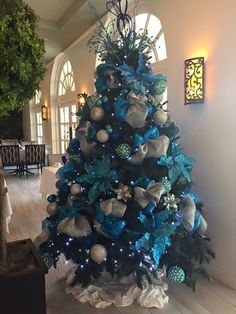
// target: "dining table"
[[48, 180]]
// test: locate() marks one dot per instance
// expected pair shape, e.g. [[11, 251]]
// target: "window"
[[66, 107], [151, 24], [39, 128], [36, 119], [66, 82], [68, 124]]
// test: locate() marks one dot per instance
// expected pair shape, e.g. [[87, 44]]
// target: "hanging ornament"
[[98, 253], [109, 128], [123, 192], [102, 136], [75, 189], [159, 88], [176, 274], [123, 151], [167, 184], [170, 201], [104, 99], [97, 114], [160, 117], [52, 198], [93, 101], [52, 208], [115, 136]]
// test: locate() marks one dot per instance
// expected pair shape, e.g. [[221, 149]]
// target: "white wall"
[[204, 28], [208, 130]]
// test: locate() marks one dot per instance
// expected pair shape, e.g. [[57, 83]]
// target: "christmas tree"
[[124, 203]]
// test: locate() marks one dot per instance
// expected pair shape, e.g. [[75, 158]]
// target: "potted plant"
[[22, 55], [22, 272]]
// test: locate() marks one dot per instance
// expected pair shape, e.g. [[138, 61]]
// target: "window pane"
[[74, 125], [63, 131], [140, 21], [62, 147], [74, 116], [62, 118], [153, 58], [66, 114], [154, 26], [161, 47], [66, 79]]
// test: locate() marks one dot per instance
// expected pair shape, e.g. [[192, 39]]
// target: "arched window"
[[66, 106], [66, 82], [149, 23]]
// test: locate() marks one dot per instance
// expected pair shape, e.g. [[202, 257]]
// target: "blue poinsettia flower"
[[139, 80], [178, 164], [100, 177], [157, 237]]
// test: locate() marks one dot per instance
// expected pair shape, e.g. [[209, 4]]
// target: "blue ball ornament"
[[75, 145], [52, 198], [107, 107], [115, 136], [176, 274], [104, 99]]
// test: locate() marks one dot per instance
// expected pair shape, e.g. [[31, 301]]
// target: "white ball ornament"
[[52, 208], [75, 189], [102, 136], [98, 253], [160, 117], [97, 114]]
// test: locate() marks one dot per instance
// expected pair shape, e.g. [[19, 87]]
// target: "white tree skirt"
[[107, 291]]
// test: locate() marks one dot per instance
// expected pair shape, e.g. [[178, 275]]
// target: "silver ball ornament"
[[75, 189], [98, 253], [97, 114], [160, 117], [102, 136], [52, 208]]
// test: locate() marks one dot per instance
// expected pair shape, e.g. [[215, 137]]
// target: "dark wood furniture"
[[10, 155], [34, 156]]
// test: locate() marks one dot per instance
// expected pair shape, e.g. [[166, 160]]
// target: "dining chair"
[[10, 156], [34, 156]]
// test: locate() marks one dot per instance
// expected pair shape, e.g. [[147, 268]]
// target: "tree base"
[[107, 291]]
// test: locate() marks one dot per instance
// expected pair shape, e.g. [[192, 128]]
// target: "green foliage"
[[22, 50]]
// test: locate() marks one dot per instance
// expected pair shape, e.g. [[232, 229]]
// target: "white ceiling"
[[62, 21]]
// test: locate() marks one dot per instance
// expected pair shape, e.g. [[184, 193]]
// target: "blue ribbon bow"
[[150, 134], [111, 226]]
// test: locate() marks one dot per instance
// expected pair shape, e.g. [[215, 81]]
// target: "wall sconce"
[[194, 81], [81, 98], [44, 112]]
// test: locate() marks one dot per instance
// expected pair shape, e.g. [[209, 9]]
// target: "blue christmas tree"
[[124, 202]]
